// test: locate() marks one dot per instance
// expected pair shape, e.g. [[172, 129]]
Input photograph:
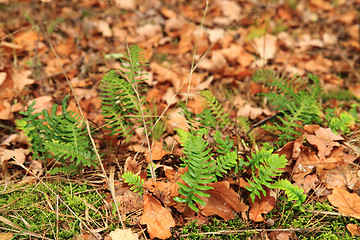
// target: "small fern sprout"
[[298, 105], [134, 181], [121, 107], [294, 193]]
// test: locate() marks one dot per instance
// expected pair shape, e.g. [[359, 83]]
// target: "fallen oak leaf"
[[222, 201], [261, 206], [347, 203], [157, 218], [353, 229]]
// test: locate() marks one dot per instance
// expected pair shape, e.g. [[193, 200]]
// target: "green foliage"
[[298, 105], [294, 193], [265, 166], [134, 181], [214, 113], [121, 106], [342, 122], [200, 170], [63, 137], [227, 157]]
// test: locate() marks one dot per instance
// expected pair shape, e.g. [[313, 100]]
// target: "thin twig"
[[228, 232]]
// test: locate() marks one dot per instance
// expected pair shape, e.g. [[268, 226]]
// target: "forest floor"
[[50, 49]]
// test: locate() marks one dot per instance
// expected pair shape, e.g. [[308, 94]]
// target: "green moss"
[[285, 217], [34, 208]]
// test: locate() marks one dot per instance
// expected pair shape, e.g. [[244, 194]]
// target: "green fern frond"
[[294, 193], [216, 109], [34, 129], [267, 166], [225, 162], [134, 181], [224, 145], [64, 136], [297, 106], [343, 122], [200, 170], [121, 107]]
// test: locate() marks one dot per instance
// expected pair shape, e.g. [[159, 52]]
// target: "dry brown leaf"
[[222, 201], [157, 218], [126, 4], [328, 134], [323, 145], [27, 39], [215, 64], [21, 79], [322, 4], [125, 234], [131, 165], [266, 48], [310, 129], [305, 164], [185, 43], [341, 176], [44, 102], [354, 229], [308, 183], [157, 151], [284, 235], [8, 155], [6, 236], [347, 203], [2, 77], [261, 206], [252, 112]]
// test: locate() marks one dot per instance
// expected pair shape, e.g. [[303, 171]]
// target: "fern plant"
[[122, 108], [294, 193], [342, 122], [200, 170], [297, 106], [63, 137], [265, 166], [134, 181], [214, 113]]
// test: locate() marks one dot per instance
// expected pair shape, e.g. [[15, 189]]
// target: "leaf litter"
[[294, 42]]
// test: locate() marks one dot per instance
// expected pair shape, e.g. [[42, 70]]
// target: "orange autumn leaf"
[[353, 229], [347, 203], [222, 201], [157, 218], [261, 206], [157, 151]]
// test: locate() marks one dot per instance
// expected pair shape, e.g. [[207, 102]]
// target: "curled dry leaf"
[[353, 229], [347, 203], [341, 176], [261, 206], [131, 165], [222, 201], [323, 145], [18, 154], [157, 218]]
